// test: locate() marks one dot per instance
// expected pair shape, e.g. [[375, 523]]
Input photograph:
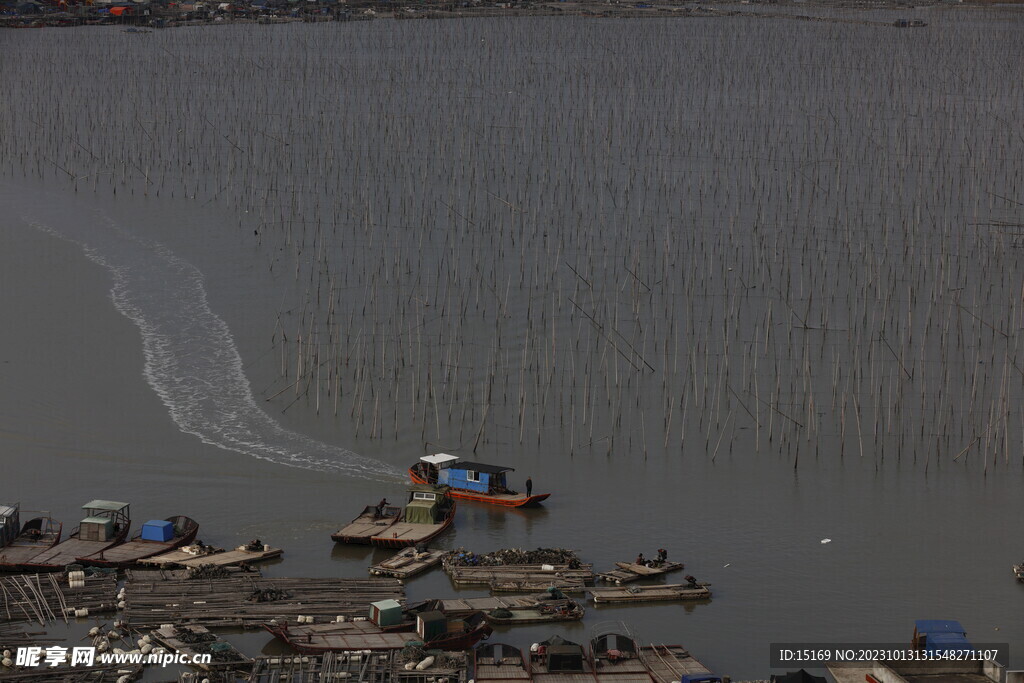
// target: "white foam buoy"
[[425, 664], [826, 540]]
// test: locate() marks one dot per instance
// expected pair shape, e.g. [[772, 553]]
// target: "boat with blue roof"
[[471, 480]]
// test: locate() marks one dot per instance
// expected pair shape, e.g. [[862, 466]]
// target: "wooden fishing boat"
[[155, 538], [408, 562], [25, 542], [372, 521], [555, 610], [435, 629], [105, 525], [471, 480], [429, 512]]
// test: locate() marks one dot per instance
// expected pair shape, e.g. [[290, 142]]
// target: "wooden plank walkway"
[[676, 591], [408, 563], [248, 601]]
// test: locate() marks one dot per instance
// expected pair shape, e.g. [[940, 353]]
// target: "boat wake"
[[191, 359]]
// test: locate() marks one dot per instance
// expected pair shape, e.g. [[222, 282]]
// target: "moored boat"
[[105, 525], [372, 521], [471, 481], [560, 610], [429, 512], [36, 535], [155, 537]]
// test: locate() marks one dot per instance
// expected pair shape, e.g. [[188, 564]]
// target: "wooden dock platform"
[[219, 558], [627, 572], [197, 640], [247, 601], [675, 591], [408, 562]]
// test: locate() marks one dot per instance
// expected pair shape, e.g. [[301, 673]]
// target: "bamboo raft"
[[185, 557], [629, 571], [248, 601], [408, 562], [673, 591], [197, 640], [48, 597]]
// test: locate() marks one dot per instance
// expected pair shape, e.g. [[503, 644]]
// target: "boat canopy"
[[440, 459], [490, 469], [108, 505]]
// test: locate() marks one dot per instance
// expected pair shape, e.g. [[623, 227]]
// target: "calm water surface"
[[141, 357]]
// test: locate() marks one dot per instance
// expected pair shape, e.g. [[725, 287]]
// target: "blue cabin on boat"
[[468, 476], [940, 636]]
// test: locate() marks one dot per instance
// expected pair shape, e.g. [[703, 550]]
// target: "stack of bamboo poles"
[[248, 602], [48, 597]]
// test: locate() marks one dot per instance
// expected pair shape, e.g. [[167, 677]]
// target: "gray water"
[[728, 287]]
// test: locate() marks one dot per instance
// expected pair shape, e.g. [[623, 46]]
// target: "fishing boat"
[[372, 521], [435, 629], [156, 537], [429, 512], [105, 525], [21, 544], [471, 480], [542, 612]]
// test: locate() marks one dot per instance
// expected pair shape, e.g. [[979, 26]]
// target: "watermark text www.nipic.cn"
[[88, 656]]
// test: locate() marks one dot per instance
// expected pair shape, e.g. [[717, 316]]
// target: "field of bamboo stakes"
[[738, 235]]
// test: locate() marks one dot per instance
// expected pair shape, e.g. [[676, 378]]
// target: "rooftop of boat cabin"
[[106, 505], [443, 460]]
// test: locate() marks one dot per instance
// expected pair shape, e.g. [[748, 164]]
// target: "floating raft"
[[197, 640], [185, 557], [379, 667], [676, 591], [408, 563], [248, 601], [668, 663], [629, 571], [532, 576], [522, 585]]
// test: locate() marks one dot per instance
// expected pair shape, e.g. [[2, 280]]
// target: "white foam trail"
[[191, 358]]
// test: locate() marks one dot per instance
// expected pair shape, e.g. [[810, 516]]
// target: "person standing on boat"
[[640, 560], [529, 487], [380, 506], [662, 556]]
